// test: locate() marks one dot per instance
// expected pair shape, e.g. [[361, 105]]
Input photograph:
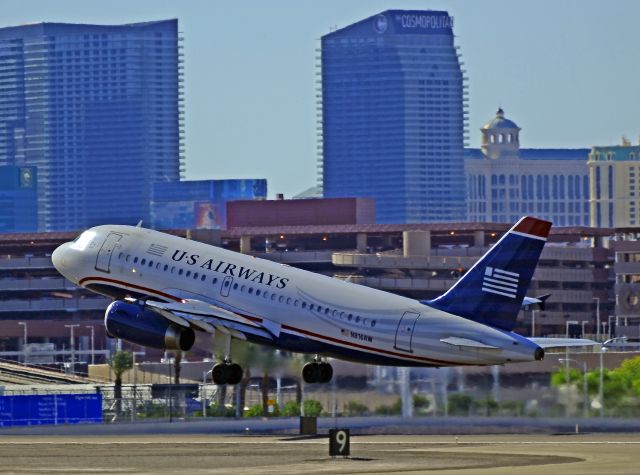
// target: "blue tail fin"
[[491, 292]]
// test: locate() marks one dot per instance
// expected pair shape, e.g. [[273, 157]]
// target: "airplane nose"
[[58, 258]]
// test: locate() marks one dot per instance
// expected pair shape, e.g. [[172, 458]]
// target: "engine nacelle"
[[138, 324]]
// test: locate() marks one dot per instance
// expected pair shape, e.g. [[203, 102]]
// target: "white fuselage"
[[317, 314]]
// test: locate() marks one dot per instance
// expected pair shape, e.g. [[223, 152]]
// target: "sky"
[[565, 71]]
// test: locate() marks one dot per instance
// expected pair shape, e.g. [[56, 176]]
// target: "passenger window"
[[243, 288], [250, 290], [128, 257], [195, 275], [319, 309], [180, 272], [335, 313], [350, 317], [215, 279], [258, 292], [143, 262], [188, 273], [203, 278], [373, 323], [341, 315], [311, 306], [281, 299], [166, 266], [304, 304], [150, 263], [358, 319], [135, 260], [296, 303], [288, 300], [158, 266], [273, 296], [326, 311], [120, 255], [235, 286]]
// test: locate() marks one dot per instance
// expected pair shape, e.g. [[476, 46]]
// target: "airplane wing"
[[562, 342], [209, 318]]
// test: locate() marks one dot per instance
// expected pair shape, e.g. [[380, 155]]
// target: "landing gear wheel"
[[226, 373], [317, 372], [220, 373], [235, 374], [311, 373], [326, 372]]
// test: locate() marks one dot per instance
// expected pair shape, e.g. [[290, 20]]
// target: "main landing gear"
[[226, 373], [317, 371]]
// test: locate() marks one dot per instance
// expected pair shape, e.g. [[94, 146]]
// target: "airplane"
[[167, 290]]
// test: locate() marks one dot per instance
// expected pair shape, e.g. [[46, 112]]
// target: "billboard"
[[50, 409]]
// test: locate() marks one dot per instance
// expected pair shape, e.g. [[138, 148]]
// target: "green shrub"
[[312, 407], [291, 409], [355, 408], [391, 410], [460, 404], [254, 411]]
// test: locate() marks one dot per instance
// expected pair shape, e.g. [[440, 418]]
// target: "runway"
[[195, 454]]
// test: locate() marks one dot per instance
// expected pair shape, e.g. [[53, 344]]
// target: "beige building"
[[613, 176], [505, 182]]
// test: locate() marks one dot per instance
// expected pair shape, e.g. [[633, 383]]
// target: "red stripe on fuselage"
[[284, 326]]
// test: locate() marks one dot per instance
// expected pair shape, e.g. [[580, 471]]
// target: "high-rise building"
[[18, 199], [393, 116], [505, 182], [200, 204], [97, 109], [614, 174]]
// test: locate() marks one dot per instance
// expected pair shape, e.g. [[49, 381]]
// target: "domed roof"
[[499, 122]]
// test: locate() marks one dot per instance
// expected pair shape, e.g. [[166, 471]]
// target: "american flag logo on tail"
[[501, 282]]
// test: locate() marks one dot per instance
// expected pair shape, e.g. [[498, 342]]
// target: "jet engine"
[[136, 323]]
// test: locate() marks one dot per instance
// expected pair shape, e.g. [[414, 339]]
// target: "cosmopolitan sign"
[[414, 23]]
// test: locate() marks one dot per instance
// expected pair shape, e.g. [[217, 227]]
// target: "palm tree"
[[120, 362]]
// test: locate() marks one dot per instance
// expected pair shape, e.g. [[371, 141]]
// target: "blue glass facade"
[[18, 199], [393, 116], [200, 204], [97, 109]]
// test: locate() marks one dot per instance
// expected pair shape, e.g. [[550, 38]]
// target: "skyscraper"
[[97, 109], [393, 116]]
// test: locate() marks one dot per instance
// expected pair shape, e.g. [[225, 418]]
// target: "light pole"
[[603, 348], [73, 348], [585, 407], [570, 322], [584, 322], [533, 323], [24, 343], [93, 355], [597, 299]]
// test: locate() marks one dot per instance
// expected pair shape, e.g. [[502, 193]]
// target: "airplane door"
[[103, 261], [226, 286], [404, 332]]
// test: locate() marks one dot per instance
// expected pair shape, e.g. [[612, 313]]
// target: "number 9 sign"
[[339, 444]]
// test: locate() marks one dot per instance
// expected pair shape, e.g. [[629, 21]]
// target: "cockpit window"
[[81, 242]]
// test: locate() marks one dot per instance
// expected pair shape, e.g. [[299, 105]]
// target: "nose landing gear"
[[317, 372]]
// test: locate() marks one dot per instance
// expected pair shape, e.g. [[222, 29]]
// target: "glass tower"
[[393, 116], [98, 110]]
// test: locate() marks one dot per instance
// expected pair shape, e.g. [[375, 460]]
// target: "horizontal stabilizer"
[[466, 342], [562, 342]]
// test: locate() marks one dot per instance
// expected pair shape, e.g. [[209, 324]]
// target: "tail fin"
[[491, 292]]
